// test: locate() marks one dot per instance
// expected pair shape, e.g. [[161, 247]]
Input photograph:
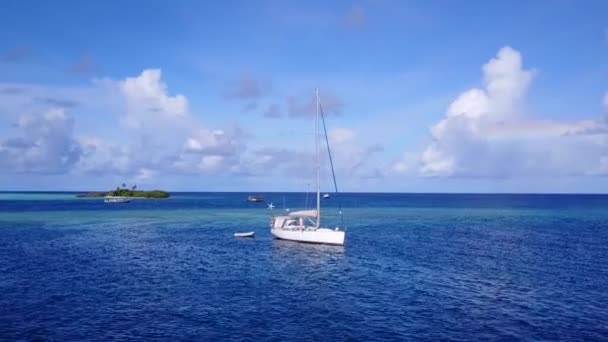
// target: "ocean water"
[[415, 267]]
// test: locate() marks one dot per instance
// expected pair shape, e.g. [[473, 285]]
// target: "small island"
[[125, 192]]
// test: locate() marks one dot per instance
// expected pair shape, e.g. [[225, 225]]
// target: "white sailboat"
[[116, 199], [305, 225]]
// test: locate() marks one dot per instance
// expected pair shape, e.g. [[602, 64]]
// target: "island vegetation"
[[126, 192]]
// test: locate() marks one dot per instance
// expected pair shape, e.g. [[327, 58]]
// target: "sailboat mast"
[[318, 163]]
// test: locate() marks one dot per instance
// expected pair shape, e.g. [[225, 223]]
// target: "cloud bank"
[[147, 133], [486, 133], [44, 145]]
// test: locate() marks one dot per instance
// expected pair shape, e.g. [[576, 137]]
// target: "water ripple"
[[513, 272]]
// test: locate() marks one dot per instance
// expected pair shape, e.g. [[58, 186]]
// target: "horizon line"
[[330, 192]]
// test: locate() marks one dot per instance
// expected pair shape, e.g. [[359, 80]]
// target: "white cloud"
[[150, 133], [216, 141], [406, 165], [45, 144], [352, 158], [144, 175], [17, 99], [146, 133], [486, 133], [266, 161], [341, 135], [210, 151], [102, 156], [212, 162], [159, 135], [505, 83], [146, 96]]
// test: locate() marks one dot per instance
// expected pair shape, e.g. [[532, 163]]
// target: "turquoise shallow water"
[[35, 196], [414, 267]]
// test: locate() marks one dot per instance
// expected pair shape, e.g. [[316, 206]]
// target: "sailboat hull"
[[320, 235]]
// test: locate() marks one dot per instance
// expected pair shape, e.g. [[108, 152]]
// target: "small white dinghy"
[[245, 234]]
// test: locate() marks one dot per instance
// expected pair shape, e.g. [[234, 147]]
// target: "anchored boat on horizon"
[[116, 199], [255, 198]]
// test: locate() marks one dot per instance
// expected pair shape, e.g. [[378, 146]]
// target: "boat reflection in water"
[[296, 254]]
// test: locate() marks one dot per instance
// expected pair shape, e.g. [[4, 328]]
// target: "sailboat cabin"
[[296, 220]]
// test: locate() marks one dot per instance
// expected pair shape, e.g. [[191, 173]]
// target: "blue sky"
[[438, 96]]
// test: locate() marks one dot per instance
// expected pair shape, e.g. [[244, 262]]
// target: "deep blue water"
[[414, 267]]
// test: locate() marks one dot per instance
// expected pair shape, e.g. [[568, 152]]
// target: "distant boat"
[[326, 196], [305, 225], [244, 235], [116, 199], [253, 198]]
